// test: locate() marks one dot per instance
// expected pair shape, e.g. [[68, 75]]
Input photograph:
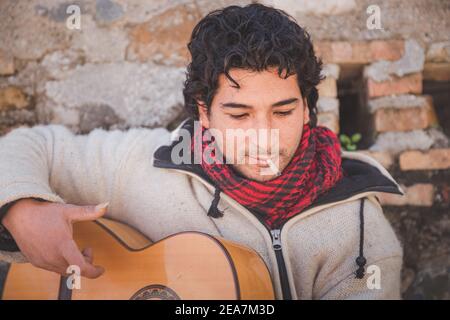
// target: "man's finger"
[[53, 268], [85, 213], [88, 255], [73, 256]]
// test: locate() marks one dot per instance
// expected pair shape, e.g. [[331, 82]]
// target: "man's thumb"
[[86, 213]]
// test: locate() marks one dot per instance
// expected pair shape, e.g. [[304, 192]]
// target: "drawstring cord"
[[213, 210], [361, 261]]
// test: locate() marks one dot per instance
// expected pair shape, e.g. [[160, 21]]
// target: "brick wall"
[[407, 137]]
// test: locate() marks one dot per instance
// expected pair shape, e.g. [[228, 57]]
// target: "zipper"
[[278, 248], [276, 244]]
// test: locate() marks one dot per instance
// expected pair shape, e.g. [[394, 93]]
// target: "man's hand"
[[43, 231]]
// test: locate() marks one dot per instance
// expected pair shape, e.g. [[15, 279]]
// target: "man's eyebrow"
[[246, 106]]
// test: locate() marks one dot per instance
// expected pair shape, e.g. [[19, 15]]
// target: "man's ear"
[[305, 111], [203, 113]]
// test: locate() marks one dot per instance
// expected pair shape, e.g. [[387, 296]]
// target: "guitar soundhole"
[[155, 292]]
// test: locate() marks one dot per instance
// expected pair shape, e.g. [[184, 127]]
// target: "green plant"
[[349, 143]]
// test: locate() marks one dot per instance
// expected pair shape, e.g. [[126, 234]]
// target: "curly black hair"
[[254, 37]]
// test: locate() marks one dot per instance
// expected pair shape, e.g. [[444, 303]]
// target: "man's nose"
[[264, 134], [262, 122]]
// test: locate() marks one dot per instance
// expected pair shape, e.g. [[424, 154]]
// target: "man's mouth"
[[261, 161], [268, 163]]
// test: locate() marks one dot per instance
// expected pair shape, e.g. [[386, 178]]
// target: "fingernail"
[[101, 206]]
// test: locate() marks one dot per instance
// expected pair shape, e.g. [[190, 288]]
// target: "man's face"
[[263, 101]]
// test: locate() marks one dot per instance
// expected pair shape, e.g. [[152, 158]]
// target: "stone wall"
[[125, 68]]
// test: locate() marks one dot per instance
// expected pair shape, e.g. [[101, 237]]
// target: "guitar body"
[[186, 265]]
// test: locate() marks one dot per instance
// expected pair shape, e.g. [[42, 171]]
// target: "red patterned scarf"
[[314, 169]]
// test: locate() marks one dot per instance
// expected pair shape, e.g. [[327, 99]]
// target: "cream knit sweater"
[[319, 246]]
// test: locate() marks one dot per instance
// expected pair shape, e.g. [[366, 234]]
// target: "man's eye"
[[283, 113], [239, 116]]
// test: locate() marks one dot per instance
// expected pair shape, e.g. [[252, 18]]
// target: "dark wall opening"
[[353, 117], [440, 91]]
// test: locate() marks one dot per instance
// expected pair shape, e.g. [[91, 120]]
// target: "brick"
[[163, 38], [329, 120], [98, 43], [397, 85], [12, 97], [404, 119], [411, 62], [327, 104], [420, 194], [144, 97], [359, 52], [384, 158], [399, 102], [439, 52], [307, 8], [331, 70], [433, 159], [327, 87], [387, 50], [437, 71], [397, 142], [108, 11], [7, 66]]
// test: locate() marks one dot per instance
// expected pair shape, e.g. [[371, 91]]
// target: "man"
[[308, 208]]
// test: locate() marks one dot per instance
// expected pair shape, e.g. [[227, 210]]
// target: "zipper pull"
[[276, 241]]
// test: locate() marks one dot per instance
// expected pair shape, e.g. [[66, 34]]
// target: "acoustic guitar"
[[186, 265]]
